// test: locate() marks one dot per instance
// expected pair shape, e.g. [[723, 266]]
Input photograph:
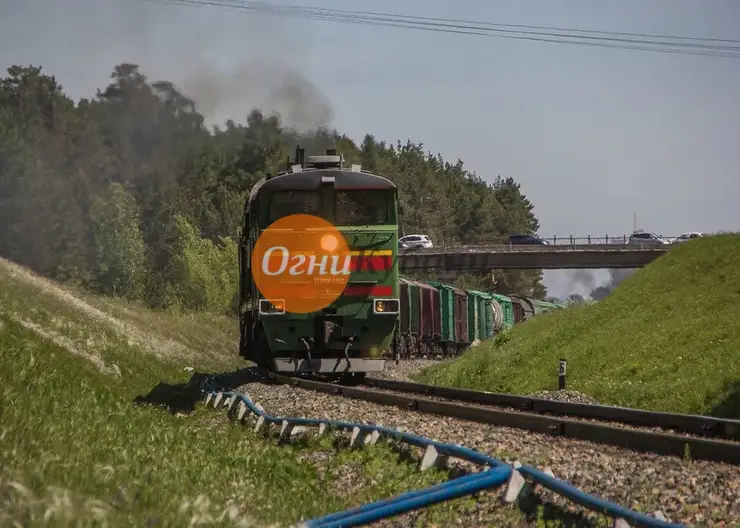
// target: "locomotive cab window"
[[286, 203], [363, 207]]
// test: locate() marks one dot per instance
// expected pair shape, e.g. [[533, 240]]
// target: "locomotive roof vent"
[[325, 162], [329, 161]]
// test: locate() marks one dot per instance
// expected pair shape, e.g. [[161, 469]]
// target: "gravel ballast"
[[695, 493]]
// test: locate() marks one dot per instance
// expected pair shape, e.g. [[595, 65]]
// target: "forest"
[[129, 193]]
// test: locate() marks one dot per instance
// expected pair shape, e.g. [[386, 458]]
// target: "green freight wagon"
[[474, 305], [488, 315], [542, 306], [447, 310], [481, 318], [411, 289], [453, 313], [504, 312]]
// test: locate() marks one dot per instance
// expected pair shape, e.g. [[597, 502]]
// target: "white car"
[[415, 241], [687, 236], [646, 239]]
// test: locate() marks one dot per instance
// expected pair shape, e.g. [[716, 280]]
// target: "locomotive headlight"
[[386, 306], [275, 307]]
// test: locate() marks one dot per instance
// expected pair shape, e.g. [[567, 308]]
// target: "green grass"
[[668, 338], [75, 449]]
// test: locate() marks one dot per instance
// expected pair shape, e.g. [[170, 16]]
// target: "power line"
[[548, 28], [618, 40], [468, 24]]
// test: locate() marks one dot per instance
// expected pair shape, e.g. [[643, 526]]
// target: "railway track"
[[491, 472], [700, 437], [694, 425]]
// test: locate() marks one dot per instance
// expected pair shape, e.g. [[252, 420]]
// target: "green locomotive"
[[354, 332]]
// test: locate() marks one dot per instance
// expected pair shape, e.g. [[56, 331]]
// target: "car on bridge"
[[524, 239], [687, 236], [415, 241], [643, 238]]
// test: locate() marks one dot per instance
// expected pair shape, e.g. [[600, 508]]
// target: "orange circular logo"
[[301, 261]]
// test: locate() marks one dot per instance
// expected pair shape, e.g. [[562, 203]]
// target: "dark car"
[[519, 240]]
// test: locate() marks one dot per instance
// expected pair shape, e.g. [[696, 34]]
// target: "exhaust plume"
[[265, 83], [585, 279], [617, 276]]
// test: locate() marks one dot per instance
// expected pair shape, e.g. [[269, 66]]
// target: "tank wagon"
[[441, 319], [354, 333]]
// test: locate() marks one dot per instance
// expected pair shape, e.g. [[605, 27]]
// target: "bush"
[[205, 275], [120, 253]]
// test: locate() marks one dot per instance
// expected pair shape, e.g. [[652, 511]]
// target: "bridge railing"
[[555, 243], [591, 239]]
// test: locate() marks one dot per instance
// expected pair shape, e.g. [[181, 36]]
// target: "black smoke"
[[598, 292]]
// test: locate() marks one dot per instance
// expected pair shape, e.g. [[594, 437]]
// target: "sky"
[[593, 135]]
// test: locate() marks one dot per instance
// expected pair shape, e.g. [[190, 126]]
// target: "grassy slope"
[[668, 338], [74, 446]]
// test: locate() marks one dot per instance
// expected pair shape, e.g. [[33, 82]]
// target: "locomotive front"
[[351, 331]]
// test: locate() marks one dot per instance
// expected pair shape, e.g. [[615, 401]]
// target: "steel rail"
[[633, 439], [708, 426]]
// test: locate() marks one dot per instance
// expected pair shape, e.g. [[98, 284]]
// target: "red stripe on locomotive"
[[369, 291], [371, 263]]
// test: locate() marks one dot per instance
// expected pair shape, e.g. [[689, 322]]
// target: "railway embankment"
[[666, 339], [79, 444]]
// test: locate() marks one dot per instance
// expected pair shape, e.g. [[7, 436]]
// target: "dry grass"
[[87, 325], [62, 507]]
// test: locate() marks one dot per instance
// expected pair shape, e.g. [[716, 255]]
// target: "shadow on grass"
[[182, 397], [729, 407]]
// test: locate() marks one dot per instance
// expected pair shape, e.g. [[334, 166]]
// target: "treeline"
[[128, 193]]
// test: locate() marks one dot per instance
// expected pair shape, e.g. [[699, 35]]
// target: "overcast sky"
[[593, 135]]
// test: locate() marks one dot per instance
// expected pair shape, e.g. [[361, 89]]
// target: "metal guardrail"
[[497, 474], [571, 240], [555, 243], [524, 248]]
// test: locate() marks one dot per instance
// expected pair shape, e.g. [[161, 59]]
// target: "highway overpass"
[[449, 260]]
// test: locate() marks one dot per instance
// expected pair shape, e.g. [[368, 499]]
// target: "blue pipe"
[[451, 489], [491, 478], [399, 498], [442, 448]]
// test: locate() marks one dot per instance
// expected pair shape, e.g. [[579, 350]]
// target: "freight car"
[[439, 319], [525, 307]]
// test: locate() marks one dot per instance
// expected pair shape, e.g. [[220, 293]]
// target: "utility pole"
[[634, 222]]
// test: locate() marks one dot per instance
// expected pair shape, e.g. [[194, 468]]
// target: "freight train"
[[347, 321], [440, 319]]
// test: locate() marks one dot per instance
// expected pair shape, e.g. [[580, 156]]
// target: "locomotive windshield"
[[362, 207], [286, 203], [351, 207]]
